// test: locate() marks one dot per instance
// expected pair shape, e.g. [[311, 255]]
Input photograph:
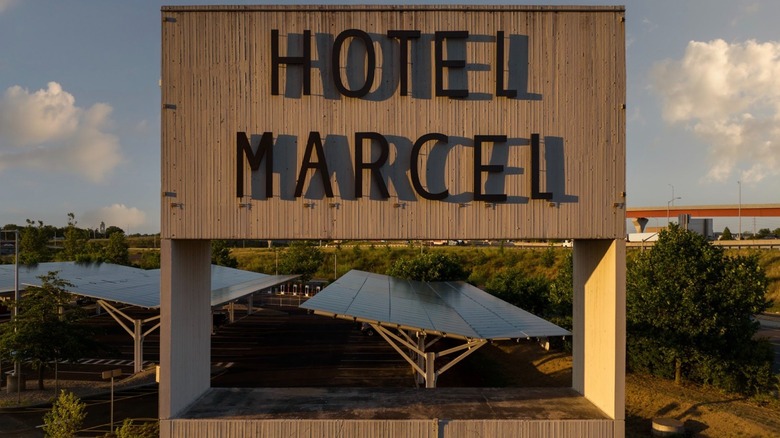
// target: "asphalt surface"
[[770, 329], [139, 403]]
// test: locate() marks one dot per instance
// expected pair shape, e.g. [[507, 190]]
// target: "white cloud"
[[118, 215], [45, 130], [6, 4], [729, 96], [143, 127], [648, 25]]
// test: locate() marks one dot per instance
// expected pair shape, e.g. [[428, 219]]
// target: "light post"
[[17, 297], [671, 201], [739, 211]]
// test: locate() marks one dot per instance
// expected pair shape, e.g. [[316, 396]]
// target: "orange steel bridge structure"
[[639, 215]]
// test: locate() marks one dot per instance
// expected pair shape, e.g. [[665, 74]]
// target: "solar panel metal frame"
[[453, 309]]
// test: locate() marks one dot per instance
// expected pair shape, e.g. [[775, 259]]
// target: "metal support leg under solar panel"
[[424, 362], [137, 332]]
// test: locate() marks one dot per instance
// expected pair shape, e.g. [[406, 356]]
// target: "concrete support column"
[[185, 317], [138, 347], [430, 370], [639, 224], [599, 318]]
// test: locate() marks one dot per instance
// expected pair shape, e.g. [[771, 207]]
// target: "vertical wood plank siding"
[[216, 71], [433, 428]]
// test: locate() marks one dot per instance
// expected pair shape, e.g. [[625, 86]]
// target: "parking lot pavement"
[[770, 329]]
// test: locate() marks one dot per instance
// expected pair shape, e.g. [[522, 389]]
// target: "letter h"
[[303, 60]]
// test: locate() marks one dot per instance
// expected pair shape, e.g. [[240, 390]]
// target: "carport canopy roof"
[[133, 286], [449, 308]]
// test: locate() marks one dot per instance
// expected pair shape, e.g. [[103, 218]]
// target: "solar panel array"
[[452, 308], [228, 284], [137, 287]]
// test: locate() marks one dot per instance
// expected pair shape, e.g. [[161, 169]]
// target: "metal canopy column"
[[424, 362], [136, 333]]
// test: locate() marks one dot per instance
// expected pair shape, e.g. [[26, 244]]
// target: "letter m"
[[264, 150]]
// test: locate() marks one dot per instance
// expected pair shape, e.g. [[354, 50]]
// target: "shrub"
[[66, 416]]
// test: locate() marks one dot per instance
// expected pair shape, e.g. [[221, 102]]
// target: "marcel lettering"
[[260, 156]]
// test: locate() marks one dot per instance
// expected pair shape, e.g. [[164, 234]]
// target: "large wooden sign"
[[407, 122]]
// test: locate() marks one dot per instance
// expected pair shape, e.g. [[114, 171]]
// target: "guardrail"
[[735, 244]]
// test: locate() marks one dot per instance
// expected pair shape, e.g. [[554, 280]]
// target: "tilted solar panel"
[[451, 308]]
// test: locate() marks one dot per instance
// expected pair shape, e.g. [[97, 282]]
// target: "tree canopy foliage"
[[66, 416], [74, 246], [429, 266], [689, 313], [220, 254], [45, 328], [302, 257], [113, 230], [40, 243], [33, 244], [117, 251], [549, 299], [530, 293]]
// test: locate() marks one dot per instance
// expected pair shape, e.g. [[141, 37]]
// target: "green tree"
[[65, 417], [45, 328], [74, 247], [33, 244], [763, 232], [429, 266], [220, 254], [128, 429], [548, 256], [515, 287], [726, 235], [561, 293], [303, 258], [690, 306], [112, 229], [116, 251], [149, 259]]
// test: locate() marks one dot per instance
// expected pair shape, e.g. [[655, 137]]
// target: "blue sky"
[[80, 105]]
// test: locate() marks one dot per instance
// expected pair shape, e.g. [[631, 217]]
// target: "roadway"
[[770, 329], [139, 403]]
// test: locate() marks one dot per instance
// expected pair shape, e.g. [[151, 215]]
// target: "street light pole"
[[739, 233], [15, 312], [671, 201]]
